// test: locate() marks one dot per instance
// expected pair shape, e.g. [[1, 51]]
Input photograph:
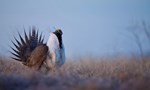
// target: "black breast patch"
[[59, 36]]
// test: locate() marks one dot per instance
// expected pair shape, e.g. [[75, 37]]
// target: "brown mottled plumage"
[[37, 57]]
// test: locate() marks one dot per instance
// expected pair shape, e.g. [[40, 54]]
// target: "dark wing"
[[37, 57], [24, 47]]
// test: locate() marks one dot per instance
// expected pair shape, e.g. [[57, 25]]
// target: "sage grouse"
[[33, 52]]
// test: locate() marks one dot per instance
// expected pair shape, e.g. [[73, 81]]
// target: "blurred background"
[[90, 27]]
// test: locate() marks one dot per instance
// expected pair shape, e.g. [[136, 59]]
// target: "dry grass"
[[78, 74]]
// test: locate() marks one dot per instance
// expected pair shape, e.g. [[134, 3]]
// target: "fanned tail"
[[24, 46]]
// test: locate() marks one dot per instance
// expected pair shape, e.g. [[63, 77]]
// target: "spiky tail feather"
[[25, 46]]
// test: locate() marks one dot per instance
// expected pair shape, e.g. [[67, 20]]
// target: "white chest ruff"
[[55, 55]]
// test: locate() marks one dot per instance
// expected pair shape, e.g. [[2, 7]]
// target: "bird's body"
[[32, 52], [56, 51], [37, 57]]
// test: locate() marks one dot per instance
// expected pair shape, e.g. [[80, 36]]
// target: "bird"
[[34, 53]]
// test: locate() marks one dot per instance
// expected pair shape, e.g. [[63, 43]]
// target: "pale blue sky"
[[97, 27]]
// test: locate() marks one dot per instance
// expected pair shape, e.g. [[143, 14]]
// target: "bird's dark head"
[[58, 31]]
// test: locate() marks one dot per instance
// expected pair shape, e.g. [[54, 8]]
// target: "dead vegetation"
[[78, 74]]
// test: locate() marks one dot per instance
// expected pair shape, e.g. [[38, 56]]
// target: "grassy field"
[[79, 74]]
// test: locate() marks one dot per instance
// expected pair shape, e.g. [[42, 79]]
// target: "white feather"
[[56, 55]]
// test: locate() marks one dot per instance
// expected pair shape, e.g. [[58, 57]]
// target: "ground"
[[78, 74]]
